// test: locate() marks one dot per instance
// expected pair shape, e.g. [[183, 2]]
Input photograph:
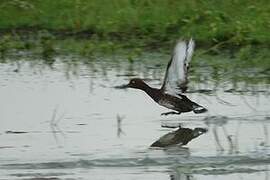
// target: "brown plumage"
[[175, 82]]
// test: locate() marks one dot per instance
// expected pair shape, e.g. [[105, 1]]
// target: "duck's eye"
[[133, 82]]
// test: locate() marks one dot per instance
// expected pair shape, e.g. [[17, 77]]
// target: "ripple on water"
[[178, 161]]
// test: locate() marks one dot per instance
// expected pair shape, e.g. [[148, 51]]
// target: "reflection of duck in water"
[[181, 136], [175, 83]]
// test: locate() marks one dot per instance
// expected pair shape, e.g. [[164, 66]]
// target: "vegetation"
[[238, 27], [236, 21]]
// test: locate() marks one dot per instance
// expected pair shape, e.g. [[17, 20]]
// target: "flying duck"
[[170, 95]]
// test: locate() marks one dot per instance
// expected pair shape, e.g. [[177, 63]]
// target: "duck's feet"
[[168, 113]]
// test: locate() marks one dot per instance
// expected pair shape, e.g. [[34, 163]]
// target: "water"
[[67, 121]]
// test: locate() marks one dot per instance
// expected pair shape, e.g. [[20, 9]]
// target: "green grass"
[[233, 22], [238, 29]]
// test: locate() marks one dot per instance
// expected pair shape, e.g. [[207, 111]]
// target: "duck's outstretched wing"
[[175, 81]]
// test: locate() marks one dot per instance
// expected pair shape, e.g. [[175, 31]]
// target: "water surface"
[[66, 120]]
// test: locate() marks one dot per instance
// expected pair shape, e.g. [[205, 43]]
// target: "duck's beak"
[[124, 86]]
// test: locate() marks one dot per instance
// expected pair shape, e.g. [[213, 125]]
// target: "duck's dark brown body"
[[180, 103]]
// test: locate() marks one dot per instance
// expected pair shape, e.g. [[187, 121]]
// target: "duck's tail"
[[197, 109]]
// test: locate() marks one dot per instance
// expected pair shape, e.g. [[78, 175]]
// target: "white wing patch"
[[176, 75]]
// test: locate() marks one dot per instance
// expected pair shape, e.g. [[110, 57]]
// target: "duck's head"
[[136, 83], [199, 131]]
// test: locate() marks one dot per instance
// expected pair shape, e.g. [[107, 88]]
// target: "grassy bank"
[[237, 22], [237, 28]]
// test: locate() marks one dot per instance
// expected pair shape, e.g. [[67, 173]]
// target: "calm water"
[[67, 121]]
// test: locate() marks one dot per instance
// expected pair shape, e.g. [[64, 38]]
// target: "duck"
[[170, 95], [181, 137]]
